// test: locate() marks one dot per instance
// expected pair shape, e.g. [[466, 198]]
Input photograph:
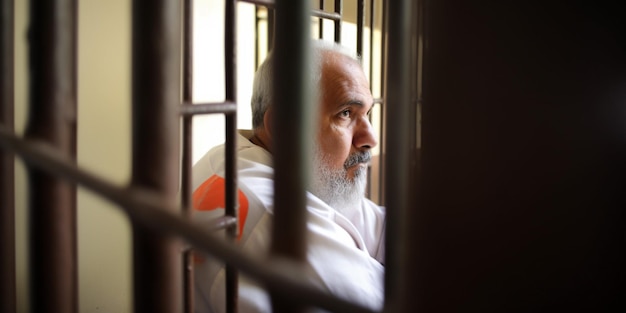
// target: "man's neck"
[[260, 139]]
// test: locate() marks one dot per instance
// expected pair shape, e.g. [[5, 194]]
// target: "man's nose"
[[364, 136]]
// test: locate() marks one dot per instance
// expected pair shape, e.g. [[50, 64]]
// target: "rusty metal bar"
[[186, 156], [156, 43], [336, 17], [230, 166], [271, 26], [372, 27], [227, 107], [257, 42], [150, 208], [360, 24], [315, 13], [7, 171], [220, 223], [52, 118], [321, 22], [338, 11], [291, 129], [265, 3], [383, 70], [371, 79], [398, 165]]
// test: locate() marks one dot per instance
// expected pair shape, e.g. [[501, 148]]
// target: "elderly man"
[[345, 230]]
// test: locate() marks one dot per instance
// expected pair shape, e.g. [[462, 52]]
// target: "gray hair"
[[262, 87]]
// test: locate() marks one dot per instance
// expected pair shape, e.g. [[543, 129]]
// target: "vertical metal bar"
[[257, 43], [7, 171], [292, 134], [383, 70], [338, 10], [186, 162], [371, 80], [230, 58], [321, 22], [372, 25], [52, 118], [398, 165], [271, 22], [416, 66], [156, 31], [360, 24]]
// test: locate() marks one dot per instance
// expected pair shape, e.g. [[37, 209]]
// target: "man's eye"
[[345, 113]]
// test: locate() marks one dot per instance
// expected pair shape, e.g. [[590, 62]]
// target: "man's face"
[[345, 134]]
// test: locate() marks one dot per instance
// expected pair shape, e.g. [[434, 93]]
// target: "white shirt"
[[344, 255]]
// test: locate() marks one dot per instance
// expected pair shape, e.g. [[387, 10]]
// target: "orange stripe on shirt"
[[211, 195]]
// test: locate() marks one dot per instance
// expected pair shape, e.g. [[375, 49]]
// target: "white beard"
[[334, 187]]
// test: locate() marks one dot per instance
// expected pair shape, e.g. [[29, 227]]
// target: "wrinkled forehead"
[[342, 77]]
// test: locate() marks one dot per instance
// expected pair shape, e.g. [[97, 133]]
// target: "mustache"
[[358, 157]]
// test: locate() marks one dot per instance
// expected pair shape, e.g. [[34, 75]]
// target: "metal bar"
[[186, 161], [291, 132], [231, 208], [338, 11], [321, 22], [257, 42], [315, 13], [227, 107], [327, 15], [398, 165], [52, 115], [151, 209], [230, 166], [360, 24], [271, 26], [383, 59], [7, 171], [265, 3], [156, 94], [372, 25]]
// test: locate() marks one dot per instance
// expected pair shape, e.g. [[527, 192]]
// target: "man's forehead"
[[332, 58], [345, 77]]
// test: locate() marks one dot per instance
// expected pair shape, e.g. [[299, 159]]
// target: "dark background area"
[[522, 171]]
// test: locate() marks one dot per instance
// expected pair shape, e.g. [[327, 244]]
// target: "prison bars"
[[230, 168], [186, 146], [52, 118], [155, 96], [158, 216], [291, 129], [399, 163], [7, 176], [148, 208]]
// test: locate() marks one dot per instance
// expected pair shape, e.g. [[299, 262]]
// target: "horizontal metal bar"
[[316, 13], [265, 3], [147, 208], [226, 107], [219, 223], [327, 15]]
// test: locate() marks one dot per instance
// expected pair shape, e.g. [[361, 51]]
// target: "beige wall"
[[104, 141]]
